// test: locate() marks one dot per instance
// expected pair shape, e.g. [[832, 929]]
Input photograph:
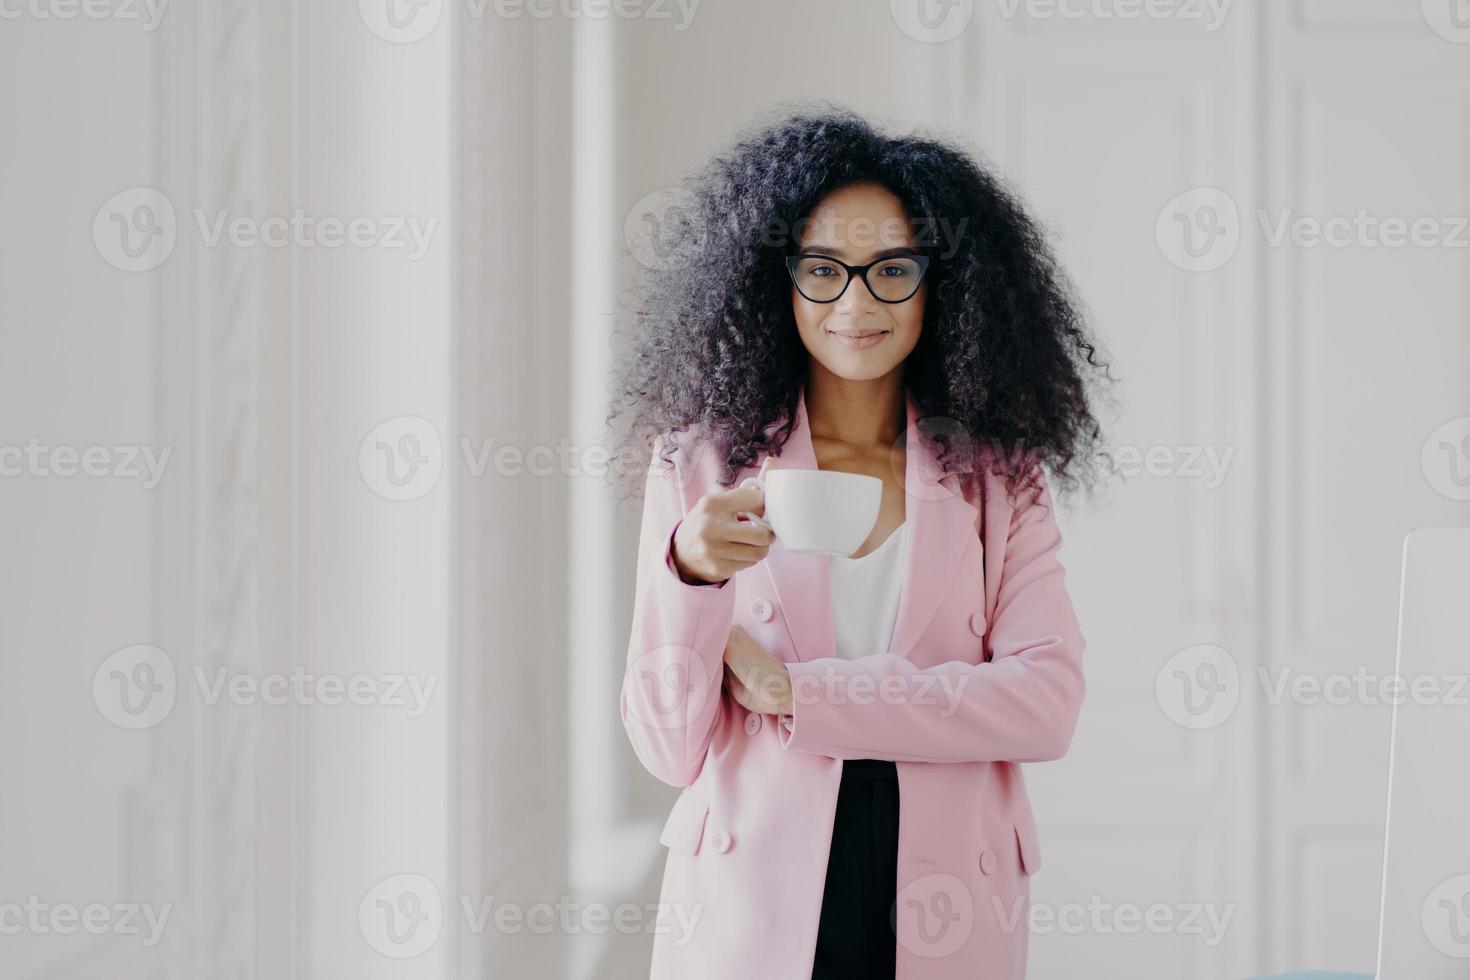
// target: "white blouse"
[[865, 594]]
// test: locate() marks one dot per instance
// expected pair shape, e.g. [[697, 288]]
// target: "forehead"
[[857, 220]]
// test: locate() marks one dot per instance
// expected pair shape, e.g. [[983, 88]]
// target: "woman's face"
[[857, 337]]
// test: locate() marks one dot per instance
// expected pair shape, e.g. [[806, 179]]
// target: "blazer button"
[[723, 840], [752, 723], [762, 610], [977, 624], [987, 862]]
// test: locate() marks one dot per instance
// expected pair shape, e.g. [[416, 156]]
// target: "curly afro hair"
[[1003, 359]]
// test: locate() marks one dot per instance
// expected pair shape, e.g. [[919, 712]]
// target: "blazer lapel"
[[941, 522], [802, 584], [995, 532], [939, 519]]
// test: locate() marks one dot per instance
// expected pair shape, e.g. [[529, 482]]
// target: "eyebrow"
[[887, 253]]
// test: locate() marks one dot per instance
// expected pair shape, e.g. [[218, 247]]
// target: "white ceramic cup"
[[818, 512]]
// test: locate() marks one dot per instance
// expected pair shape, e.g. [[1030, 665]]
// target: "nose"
[[856, 297]]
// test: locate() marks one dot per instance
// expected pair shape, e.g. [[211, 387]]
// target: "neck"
[[863, 414]]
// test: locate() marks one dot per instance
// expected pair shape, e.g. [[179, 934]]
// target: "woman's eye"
[[893, 271], [823, 271]]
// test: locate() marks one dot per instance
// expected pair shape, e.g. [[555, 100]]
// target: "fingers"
[[758, 697], [741, 498], [745, 532], [742, 694], [733, 566], [742, 555]]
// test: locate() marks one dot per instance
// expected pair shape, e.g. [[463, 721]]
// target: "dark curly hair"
[[1003, 356]]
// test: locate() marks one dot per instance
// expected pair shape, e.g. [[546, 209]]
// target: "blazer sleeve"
[[1020, 706], [671, 694]]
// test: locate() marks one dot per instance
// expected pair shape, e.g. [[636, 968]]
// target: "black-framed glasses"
[[823, 279]]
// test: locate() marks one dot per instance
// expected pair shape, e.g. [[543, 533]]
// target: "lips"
[[858, 339]]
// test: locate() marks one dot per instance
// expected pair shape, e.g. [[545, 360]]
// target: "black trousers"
[[855, 939]]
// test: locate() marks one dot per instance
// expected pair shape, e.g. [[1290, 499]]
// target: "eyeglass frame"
[[857, 270]]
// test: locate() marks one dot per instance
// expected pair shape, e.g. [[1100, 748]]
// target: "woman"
[[847, 731]]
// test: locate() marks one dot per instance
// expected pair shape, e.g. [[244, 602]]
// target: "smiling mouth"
[[858, 339]]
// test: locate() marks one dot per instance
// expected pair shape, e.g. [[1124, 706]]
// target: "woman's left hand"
[[754, 678]]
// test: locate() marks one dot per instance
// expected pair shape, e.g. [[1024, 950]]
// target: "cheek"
[[808, 318], [909, 317]]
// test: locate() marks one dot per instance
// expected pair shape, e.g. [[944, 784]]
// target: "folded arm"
[[1020, 706]]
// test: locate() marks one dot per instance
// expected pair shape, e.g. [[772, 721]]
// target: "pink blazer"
[[984, 673]]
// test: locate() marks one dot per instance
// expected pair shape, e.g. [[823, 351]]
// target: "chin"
[[858, 368]]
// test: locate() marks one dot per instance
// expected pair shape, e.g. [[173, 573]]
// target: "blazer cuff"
[[803, 706], [785, 729], [673, 570]]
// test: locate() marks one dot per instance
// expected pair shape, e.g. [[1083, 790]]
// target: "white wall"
[[266, 546]]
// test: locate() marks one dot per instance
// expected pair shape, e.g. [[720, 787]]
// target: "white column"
[[377, 343]]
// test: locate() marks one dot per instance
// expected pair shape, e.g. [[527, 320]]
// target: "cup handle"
[[758, 521]]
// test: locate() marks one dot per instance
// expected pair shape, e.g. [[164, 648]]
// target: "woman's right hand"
[[712, 543]]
